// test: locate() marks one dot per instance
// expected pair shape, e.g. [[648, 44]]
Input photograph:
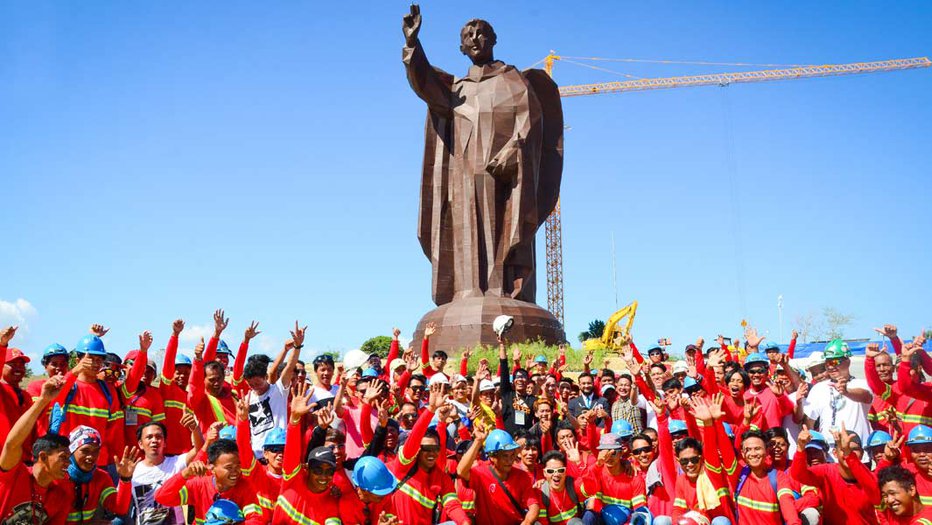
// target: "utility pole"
[[780, 314]]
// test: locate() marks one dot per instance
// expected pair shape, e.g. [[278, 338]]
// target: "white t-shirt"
[[146, 480], [827, 405], [792, 427], [648, 407], [320, 394], [266, 412]]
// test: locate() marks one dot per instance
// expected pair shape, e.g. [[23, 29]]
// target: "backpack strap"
[[545, 496], [772, 476], [571, 490], [522, 511]]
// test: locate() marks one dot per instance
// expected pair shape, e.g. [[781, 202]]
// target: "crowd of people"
[[731, 434]]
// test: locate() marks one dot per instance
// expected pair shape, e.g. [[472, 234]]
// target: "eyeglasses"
[[320, 470], [690, 461], [642, 450], [560, 470], [430, 448], [757, 372]]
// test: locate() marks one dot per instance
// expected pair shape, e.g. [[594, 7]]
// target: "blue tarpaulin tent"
[[857, 347]]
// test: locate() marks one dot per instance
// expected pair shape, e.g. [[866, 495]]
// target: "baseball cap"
[[680, 367], [16, 353], [396, 363], [322, 455]]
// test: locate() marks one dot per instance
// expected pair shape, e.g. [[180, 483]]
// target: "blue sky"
[[164, 159]]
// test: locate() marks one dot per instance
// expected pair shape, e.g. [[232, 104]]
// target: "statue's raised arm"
[[411, 25]]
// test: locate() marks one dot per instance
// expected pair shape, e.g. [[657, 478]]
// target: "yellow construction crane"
[[554, 230]]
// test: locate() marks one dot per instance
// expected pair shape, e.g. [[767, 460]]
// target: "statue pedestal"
[[467, 322]]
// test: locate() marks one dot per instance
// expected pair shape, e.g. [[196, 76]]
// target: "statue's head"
[[477, 39]]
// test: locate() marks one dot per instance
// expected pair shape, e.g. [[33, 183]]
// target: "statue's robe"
[[477, 228]]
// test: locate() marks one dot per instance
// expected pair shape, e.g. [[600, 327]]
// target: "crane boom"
[[554, 235], [724, 79]]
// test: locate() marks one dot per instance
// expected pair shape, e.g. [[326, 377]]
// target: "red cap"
[[131, 356], [16, 353]]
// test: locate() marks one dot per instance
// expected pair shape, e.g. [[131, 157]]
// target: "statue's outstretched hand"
[[411, 25]]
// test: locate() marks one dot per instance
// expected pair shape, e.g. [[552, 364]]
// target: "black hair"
[[432, 433], [655, 350], [531, 441], [745, 378], [50, 443], [322, 359], [440, 353], [776, 432], [418, 377], [216, 366], [302, 363], [671, 383], [608, 372], [730, 366], [150, 424], [689, 442], [585, 374], [565, 425], [653, 431], [334, 435], [625, 375], [407, 403], [521, 371], [553, 454], [900, 475], [219, 448], [46, 359], [113, 358], [661, 366], [752, 433], [643, 436], [257, 366], [520, 433]]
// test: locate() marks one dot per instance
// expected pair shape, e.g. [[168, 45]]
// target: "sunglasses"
[[834, 362], [417, 388], [560, 470], [109, 372], [757, 372], [690, 461], [320, 470], [642, 450], [430, 448]]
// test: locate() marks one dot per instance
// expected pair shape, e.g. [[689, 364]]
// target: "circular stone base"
[[465, 323]]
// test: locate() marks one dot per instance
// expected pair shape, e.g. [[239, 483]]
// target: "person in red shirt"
[[29, 494], [267, 477], [763, 494], [13, 400], [899, 496], [307, 494], [92, 487], [497, 480], [560, 493], [143, 402], [173, 386], [55, 362], [369, 503], [199, 485], [613, 481], [773, 401], [848, 489]]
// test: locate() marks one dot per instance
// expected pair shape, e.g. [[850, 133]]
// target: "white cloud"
[[18, 313], [193, 333]]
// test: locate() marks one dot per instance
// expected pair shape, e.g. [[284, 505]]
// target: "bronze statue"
[[493, 160]]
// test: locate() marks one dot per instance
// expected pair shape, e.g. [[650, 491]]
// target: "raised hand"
[[411, 363], [467, 353], [841, 385], [199, 350], [435, 397], [376, 389], [842, 442], [715, 406], [145, 341], [99, 330], [754, 340], [479, 432], [443, 412], [177, 327], [795, 334], [750, 412], [891, 451], [802, 391], [430, 329], [252, 331], [411, 25], [383, 412], [776, 388], [6, 335], [888, 331], [587, 360], [516, 354], [325, 417], [700, 342], [297, 336], [699, 408], [188, 420], [52, 387], [572, 453], [483, 369], [300, 403], [213, 432], [803, 438], [562, 350], [126, 465], [872, 350], [242, 409], [195, 469]]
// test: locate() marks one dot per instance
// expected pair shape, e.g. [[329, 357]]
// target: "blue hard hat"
[[677, 425], [223, 512], [615, 514], [918, 435], [92, 345], [228, 432], [878, 438], [818, 441], [730, 432], [642, 516], [275, 438], [54, 349], [622, 428], [499, 441], [182, 359], [541, 359], [370, 372], [371, 475], [690, 384], [769, 345], [755, 359], [222, 348]]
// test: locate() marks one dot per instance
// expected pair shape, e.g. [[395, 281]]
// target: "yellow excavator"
[[616, 335]]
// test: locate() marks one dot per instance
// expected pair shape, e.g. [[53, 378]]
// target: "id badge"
[[131, 417], [519, 418]]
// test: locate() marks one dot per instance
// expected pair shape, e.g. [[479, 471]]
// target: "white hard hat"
[[355, 359], [502, 324], [486, 385], [815, 358], [438, 379]]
